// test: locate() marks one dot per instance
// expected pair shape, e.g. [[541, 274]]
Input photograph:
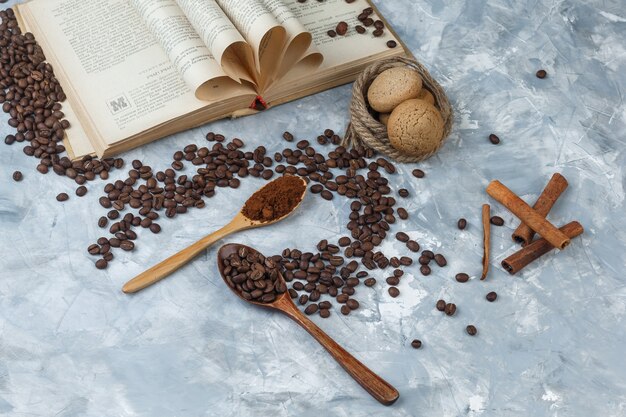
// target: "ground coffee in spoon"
[[275, 200]]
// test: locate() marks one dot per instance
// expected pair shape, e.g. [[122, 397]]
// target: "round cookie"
[[426, 96], [384, 118], [415, 128], [392, 87]]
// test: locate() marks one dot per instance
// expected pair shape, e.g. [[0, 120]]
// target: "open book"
[[137, 70]]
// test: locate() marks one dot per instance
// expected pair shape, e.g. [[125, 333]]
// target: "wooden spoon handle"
[[378, 388], [171, 264]]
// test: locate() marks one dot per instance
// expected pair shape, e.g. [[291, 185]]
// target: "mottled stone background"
[[71, 344]]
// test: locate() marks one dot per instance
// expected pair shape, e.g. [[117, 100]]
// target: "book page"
[[184, 48], [319, 17], [261, 30], [119, 79], [299, 40], [221, 37]]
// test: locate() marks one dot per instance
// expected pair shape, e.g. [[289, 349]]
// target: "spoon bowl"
[[238, 223], [377, 387]]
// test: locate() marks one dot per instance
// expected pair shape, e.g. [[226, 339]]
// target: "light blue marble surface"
[[71, 344]]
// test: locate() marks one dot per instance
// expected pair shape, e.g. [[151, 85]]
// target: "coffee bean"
[[416, 344], [491, 297], [496, 221], [62, 197], [102, 222], [370, 282], [155, 228], [93, 249], [441, 305], [402, 213], [418, 173], [429, 254], [127, 245], [81, 191], [462, 277], [393, 281], [406, 261], [403, 192], [101, 264], [494, 139], [327, 195], [461, 224], [342, 28], [394, 292], [402, 237], [541, 74], [324, 313], [288, 137], [311, 309], [360, 29], [345, 310], [392, 44], [344, 241], [17, 176], [471, 330], [441, 260], [450, 309], [425, 270], [413, 246], [331, 33], [353, 304]]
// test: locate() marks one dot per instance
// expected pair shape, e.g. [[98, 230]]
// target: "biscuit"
[[427, 96], [415, 128], [392, 87], [384, 118]]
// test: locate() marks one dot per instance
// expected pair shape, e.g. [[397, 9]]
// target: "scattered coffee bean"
[[331, 33], [101, 264], [403, 192], [81, 191], [541, 74], [345, 310], [17, 176], [392, 44], [62, 197], [462, 224], [413, 246], [394, 292], [497, 221], [494, 139], [471, 330], [441, 305], [450, 309], [491, 297], [416, 344], [324, 313], [425, 270], [311, 309], [342, 28], [462, 277], [370, 282], [402, 237], [418, 173], [441, 260], [402, 213]]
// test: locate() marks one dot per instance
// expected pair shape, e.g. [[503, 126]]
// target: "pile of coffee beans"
[[32, 96], [253, 276], [365, 21]]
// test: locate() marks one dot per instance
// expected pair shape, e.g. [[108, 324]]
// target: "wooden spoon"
[[372, 383], [174, 262]]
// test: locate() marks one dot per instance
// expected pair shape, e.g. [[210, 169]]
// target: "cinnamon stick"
[[557, 184], [486, 239], [527, 215], [537, 249]]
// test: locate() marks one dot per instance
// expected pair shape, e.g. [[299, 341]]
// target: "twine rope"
[[365, 130]]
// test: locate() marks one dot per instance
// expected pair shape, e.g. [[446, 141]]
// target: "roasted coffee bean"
[[93, 249], [352, 304], [424, 260], [418, 173], [393, 281], [127, 245], [491, 297], [402, 237], [81, 191], [254, 277], [331, 33], [402, 213], [311, 309], [450, 309], [462, 224], [471, 330], [360, 29], [324, 313], [425, 270], [441, 305], [541, 74], [413, 246], [17, 176], [102, 222], [416, 344], [344, 241], [392, 44], [497, 221], [63, 197], [394, 292], [345, 310], [428, 254], [342, 28], [288, 136], [101, 264], [494, 139], [327, 195], [441, 260], [403, 192], [155, 228], [406, 261], [462, 277], [370, 282]]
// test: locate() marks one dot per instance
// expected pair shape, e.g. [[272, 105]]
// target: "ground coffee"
[[275, 200]]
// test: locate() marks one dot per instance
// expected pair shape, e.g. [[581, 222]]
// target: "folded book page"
[[260, 29], [185, 49]]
